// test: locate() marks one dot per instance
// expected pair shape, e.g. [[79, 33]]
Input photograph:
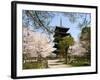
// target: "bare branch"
[[39, 21]]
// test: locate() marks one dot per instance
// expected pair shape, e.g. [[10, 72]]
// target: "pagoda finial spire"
[[60, 22]]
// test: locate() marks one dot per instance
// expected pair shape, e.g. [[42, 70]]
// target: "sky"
[[74, 28]]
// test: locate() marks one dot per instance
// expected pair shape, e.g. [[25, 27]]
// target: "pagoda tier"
[[61, 29]]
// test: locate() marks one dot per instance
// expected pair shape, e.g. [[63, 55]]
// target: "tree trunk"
[[66, 55]]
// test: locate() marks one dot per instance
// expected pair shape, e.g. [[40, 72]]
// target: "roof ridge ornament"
[[60, 22]]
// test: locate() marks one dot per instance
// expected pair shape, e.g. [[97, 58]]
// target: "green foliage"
[[85, 34], [31, 65], [85, 40], [66, 42], [80, 63], [35, 65], [64, 45]]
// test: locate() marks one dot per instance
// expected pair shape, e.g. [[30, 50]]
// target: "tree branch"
[[39, 21]]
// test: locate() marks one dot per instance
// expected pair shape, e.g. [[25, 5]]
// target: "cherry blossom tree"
[[77, 49], [36, 44]]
